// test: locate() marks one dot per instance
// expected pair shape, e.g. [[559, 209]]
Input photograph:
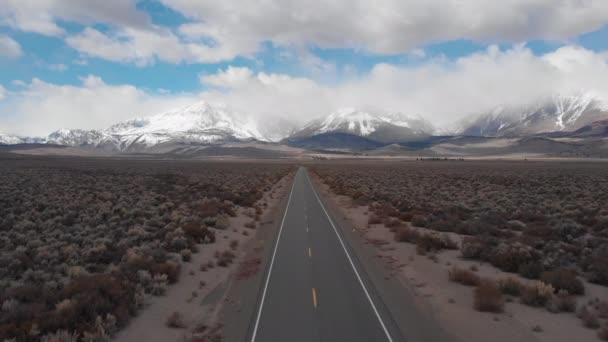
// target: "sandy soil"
[[199, 294], [452, 303]]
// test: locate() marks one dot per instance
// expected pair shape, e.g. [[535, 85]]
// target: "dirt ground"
[[452, 304]]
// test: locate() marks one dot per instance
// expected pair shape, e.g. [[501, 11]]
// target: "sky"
[[89, 64]]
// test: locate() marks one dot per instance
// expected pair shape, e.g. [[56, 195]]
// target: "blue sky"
[[42, 53], [164, 48]]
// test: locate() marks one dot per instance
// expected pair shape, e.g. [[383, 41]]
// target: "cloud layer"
[[222, 30], [9, 48], [439, 90]]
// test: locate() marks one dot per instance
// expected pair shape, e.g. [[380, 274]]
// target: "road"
[[314, 288]]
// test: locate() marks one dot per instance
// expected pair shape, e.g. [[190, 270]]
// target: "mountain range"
[[347, 130]]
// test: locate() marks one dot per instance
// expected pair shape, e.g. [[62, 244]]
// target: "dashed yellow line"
[[314, 297]]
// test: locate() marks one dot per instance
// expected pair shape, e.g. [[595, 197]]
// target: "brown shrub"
[[602, 309], [530, 270], [464, 277], [419, 221], [562, 302], [168, 268], [175, 320], [374, 219], [225, 258], [234, 244], [488, 297], [603, 333], [391, 222], [563, 279], [537, 294], [588, 318], [510, 286], [406, 234]]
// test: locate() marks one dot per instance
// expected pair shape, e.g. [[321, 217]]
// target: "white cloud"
[[440, 90], [9, 48], [43, 107], [41, 16], [2, 92], [223, 30], [58, 67], [385, 26], [144, 47]]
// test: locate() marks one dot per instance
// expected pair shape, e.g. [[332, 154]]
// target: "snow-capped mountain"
[[6, 139], [74, 137], [9, 139], [374, 125], [201, 123], [558, 113]]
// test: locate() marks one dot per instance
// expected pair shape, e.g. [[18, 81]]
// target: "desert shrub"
[[488, 297], [433, 242], [186, 255], [476, 247], [602, 309], [391, 222], [463, 276], [509, 257], [598, 272], [530, 270], [60, 336], [588, 318], [225, 258], [563, 279], [537, 294], [603, 333], [419, 221], [159, 284], [374, 219], [169, 268], [510, 286], [406, 234], [562, 302], [175, 320]]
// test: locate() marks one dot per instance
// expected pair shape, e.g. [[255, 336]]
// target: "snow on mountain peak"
[[364, 123], [199, 122], [559, 112]]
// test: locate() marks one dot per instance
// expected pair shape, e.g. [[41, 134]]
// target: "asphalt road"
[[314, 288]]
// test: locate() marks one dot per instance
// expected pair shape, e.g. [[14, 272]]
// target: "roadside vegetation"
[[84, 241], [544, 225]]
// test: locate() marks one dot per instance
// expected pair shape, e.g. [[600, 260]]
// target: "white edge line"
[[351, 263], [257, 321]]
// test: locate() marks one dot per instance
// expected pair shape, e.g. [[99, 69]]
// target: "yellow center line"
[[314, 297], [309, 253]]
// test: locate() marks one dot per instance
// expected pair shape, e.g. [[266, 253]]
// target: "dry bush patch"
[[488, 297], [464, 277], [175, 320], [94, 237], [515, 215]]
